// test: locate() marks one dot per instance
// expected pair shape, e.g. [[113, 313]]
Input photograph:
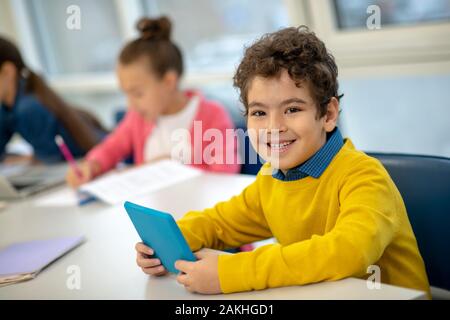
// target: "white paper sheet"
[[121, 186]]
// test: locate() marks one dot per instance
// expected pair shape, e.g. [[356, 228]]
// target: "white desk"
[[107, 259]]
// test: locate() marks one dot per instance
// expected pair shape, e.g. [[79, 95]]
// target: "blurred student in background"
[[149, 71], [32, 109]]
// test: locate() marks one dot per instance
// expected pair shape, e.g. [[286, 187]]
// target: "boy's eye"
[[292, 110], [257, 113]]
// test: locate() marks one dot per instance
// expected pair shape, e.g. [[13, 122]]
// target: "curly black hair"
[[301, 53]]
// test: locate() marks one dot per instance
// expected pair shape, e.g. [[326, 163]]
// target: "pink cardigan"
[[132, 133]]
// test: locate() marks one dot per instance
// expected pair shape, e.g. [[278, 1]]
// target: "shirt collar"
[[316, 165]]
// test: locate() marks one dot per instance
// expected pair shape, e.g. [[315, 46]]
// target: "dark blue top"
[[37, 125], [316, 165]]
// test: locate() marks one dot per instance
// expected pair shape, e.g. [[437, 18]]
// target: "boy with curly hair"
[[333, 210]]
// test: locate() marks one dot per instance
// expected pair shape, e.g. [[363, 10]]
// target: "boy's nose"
[[276, 124]]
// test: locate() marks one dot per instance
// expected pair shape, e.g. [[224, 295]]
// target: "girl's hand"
[[88, 172], [149, 265]]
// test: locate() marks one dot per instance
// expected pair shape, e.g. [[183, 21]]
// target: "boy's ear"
[[332, 114]]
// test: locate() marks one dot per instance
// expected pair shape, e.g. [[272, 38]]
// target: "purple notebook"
[[32, 257]]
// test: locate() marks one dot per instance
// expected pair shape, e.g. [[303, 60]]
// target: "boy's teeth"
[[280, 145]]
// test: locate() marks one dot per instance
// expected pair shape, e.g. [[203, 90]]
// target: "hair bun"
[[154, 29]]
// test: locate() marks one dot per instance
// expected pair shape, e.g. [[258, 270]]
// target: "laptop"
[[21, 180]]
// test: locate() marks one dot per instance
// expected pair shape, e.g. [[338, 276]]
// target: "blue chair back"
[[424, 183]]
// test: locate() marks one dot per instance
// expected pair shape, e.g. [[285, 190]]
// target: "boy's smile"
[[284, 119], [275, 144]]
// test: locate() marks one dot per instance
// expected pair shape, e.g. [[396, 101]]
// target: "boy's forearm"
[[274, 266], [198, 231], [343, 252], [229, 224]]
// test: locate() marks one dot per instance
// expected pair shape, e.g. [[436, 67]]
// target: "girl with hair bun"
[[149, 69]]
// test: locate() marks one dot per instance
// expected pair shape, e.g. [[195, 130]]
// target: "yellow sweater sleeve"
[[366, 224], [228, 224]]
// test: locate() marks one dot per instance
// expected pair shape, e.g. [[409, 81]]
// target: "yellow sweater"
[[327, 229]]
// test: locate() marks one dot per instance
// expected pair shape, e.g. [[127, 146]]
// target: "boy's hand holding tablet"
[[170, 251], [149, 265], [200, 276]]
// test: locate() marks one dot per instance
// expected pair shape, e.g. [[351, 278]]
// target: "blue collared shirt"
[[316, 165]]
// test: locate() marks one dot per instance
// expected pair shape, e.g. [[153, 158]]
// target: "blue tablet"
[[159, 231]]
